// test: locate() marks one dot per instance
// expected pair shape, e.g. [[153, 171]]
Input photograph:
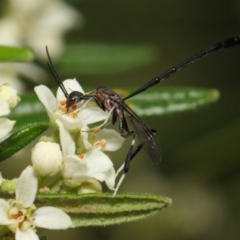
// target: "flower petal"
[[4, 207], [97, 162], [4, 107], [91, 115], [70, 123], [27, 187], [74, 167], [83, 138], [110, 178], [67, 143], [47, 98], [114, 139], [52, 218], [6, 126], [26, 235]]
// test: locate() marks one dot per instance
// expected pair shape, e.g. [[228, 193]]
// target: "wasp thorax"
[[73, 98]]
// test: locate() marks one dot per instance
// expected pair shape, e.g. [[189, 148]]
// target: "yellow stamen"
[[63, 102], [19, 203], [33, 207], [101, 143], [64, 110], [74, 107], [74, 115], [20, 219]]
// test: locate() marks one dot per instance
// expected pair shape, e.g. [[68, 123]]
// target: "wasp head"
[[74, 98]]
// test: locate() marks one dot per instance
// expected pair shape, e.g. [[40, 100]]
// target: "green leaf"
[[8, 54], [154, 102], [101, 209], [171, 100], [100, 58], [20, 139]]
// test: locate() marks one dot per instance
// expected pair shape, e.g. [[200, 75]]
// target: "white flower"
[[104, 140], [22, 217], [47, 158], [6, 126], [84, 160], [80, 168], [35, 24], [55, 109]]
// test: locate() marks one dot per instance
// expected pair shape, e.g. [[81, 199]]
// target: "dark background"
[[200, 170], [200, 167]]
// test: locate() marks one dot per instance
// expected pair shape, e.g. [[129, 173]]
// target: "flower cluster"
[[74, 158], [21, 216], [75, 151]]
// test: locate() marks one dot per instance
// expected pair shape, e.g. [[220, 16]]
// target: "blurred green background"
[[200, 170]]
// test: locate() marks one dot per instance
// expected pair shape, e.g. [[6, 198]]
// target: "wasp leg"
[[103, 125], [125, 166]]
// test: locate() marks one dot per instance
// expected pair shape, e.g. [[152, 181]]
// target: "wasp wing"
[[145, 135]]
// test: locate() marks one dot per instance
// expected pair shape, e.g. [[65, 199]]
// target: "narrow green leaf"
[[100, 58], [154, 102], [20, 139], [101, 209], [8, 54], [171, 100]]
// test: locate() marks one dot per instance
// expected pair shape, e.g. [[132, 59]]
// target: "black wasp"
[[110, 101]]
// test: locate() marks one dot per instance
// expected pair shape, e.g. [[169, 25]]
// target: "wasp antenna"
[[225, 44], [55, 74]]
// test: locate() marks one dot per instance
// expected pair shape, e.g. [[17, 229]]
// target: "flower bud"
[[47, 158], [90, 186]]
